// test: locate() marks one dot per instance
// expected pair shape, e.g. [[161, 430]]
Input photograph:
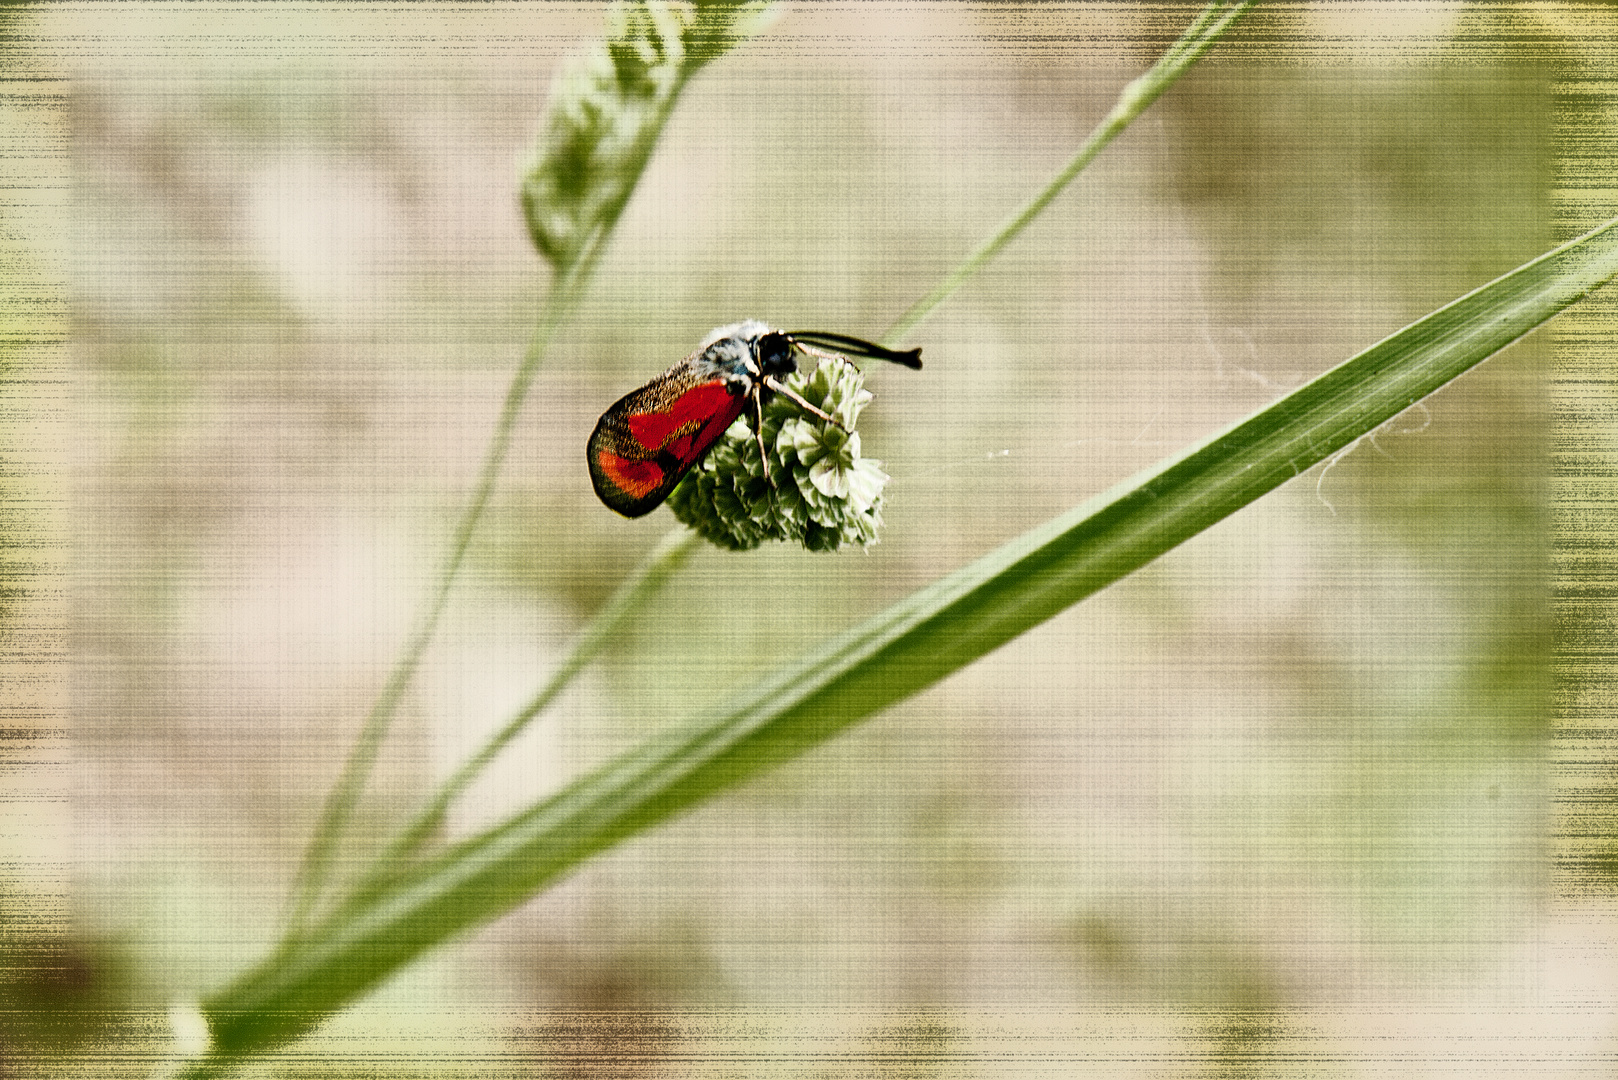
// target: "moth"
[[653, 436]]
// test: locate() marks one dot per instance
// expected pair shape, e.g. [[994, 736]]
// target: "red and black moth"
[[650, 438]]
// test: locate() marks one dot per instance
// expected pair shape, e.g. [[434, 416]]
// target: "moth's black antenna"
[[910, 358]]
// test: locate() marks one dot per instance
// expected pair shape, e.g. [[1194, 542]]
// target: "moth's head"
[[774, 351]]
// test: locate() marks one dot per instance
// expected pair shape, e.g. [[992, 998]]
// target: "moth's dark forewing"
[[651, 437]]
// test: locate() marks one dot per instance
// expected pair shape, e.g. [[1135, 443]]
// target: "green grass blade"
[[918, 641]]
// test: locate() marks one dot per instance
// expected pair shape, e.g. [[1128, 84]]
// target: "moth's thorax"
[[744, 352], [746, 330]]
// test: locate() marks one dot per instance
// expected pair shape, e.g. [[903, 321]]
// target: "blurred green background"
[[1286, 788]]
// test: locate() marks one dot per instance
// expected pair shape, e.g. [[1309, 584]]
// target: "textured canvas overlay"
[[313, 308]]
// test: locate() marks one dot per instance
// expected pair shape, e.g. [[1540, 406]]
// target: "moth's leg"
[[758, 433], [794, 396]]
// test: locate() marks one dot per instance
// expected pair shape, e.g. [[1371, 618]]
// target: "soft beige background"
[[1283, 803]]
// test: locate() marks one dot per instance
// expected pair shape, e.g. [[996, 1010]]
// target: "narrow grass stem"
[[1213, 21], [350, 784], [644, 583]]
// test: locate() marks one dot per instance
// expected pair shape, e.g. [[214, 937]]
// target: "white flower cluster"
[[819, 491]]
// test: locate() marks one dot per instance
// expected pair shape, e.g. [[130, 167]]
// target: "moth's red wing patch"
[[689, 447], [697, 406], [636, 479]]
